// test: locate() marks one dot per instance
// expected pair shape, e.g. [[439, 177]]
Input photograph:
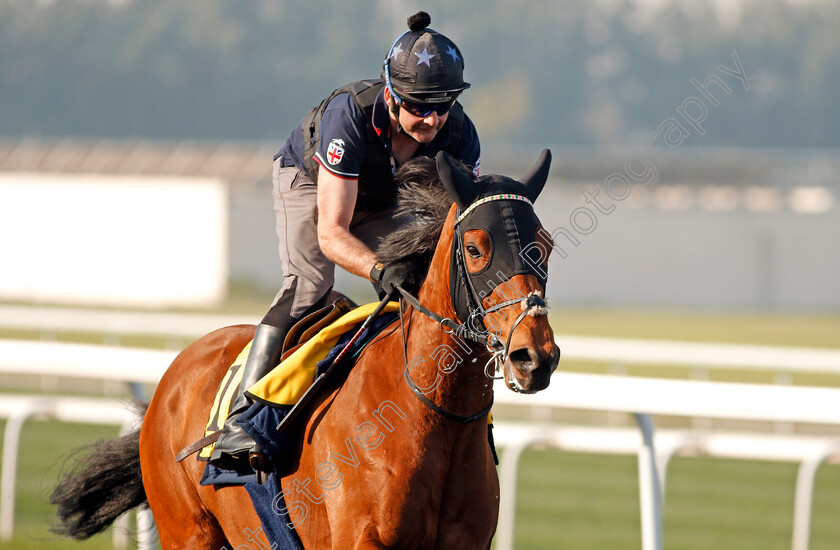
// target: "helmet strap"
[[395, 110]]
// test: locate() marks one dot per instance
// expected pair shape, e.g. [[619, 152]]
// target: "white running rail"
[[640, 396], [644, 397], [623, 351]]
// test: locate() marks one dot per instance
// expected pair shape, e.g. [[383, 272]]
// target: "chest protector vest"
[[377, 190]]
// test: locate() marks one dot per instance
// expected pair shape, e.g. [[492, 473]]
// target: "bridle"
[[473, 327], [534, 304]]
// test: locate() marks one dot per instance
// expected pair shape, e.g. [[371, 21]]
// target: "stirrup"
[[226, 461], [261, 464]]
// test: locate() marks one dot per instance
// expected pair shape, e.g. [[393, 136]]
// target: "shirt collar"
[[381, 118]]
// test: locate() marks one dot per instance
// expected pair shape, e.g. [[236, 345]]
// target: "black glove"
[[388, 277], [395, 275]]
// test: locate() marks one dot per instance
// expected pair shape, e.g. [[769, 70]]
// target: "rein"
[[534, 305], [407, 375], [461, 330]]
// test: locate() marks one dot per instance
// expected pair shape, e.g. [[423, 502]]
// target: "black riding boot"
[[234, 444]]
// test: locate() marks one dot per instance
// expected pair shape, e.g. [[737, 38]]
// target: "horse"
[[394, 452]]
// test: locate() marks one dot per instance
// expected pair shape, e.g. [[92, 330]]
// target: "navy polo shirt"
[[343, 145]]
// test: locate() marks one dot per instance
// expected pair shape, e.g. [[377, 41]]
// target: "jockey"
[[334, 192]]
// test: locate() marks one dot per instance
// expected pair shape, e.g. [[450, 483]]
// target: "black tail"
[[103, 484]]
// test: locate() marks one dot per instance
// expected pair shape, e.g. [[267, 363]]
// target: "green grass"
[[45, 447], [772, 329], [573, 501], [568, 501]]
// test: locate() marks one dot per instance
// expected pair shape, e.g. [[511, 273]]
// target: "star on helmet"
[[453, 52], [396, 51], [439, 78], [425, 56]]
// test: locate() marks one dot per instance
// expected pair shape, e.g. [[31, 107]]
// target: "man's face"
[[422, 129]]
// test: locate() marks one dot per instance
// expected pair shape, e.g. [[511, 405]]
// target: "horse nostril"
[[554, 359], [523, 359]]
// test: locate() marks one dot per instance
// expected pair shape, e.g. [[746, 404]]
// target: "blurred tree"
[[572, 72]]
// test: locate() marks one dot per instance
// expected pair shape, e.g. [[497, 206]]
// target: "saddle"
[[310, 325], [298, 335]]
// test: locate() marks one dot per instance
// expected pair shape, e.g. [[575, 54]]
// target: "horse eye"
[[473, 251]]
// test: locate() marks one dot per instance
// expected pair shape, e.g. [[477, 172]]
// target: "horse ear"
[[534, 181], [459, 186]]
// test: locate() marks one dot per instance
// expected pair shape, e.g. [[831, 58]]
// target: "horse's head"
[[495, 284]]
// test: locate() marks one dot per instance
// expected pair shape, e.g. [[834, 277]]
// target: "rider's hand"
[[395, 275]]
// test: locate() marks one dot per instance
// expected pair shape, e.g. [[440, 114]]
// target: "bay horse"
[[393, 453]]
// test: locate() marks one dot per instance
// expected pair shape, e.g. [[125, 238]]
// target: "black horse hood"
[[502, 208]]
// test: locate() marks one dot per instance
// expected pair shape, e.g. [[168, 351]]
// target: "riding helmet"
[[424, 66]]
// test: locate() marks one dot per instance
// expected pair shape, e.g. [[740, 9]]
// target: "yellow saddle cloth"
[[288, 381]]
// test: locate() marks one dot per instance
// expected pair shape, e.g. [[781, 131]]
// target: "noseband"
[[532, 305]]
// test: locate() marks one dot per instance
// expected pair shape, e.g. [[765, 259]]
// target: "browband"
[[501, 197]]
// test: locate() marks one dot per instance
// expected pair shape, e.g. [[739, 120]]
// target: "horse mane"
[[422, 199]]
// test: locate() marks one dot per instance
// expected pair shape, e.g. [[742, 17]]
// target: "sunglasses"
[[422, 110]]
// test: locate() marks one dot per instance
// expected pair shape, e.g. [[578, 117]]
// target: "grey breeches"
[[308, 275]]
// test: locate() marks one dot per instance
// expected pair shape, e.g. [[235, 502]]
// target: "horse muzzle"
[[529, 371]]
